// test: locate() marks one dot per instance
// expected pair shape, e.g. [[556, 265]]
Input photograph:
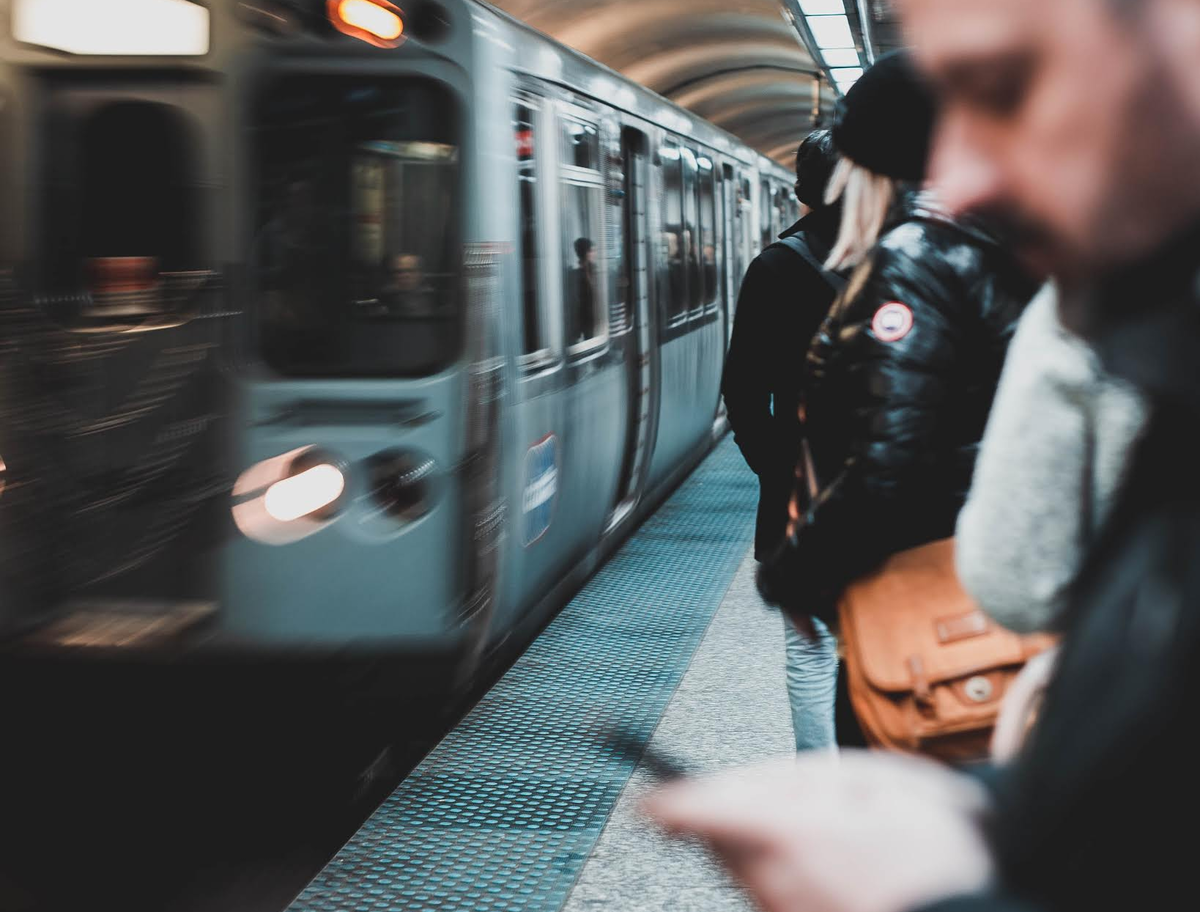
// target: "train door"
[[636, 339], [588, 266], [540, 390]]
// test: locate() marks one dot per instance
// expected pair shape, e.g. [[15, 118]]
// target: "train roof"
[[543, 57]]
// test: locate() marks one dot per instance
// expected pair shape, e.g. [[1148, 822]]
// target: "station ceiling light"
[[840, 57], [830, 31], [824, 29], [822, 7]]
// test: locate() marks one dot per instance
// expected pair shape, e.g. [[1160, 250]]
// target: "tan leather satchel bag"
[[927, 670]]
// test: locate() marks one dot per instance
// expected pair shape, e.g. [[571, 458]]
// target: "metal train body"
[[195, 254]]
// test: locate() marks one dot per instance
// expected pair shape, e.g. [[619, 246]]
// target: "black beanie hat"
[[815, 160], [885, 122]]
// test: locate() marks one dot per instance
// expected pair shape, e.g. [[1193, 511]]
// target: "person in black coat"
[[784, 297]]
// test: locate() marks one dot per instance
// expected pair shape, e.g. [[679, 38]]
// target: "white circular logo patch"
[[892, 322]]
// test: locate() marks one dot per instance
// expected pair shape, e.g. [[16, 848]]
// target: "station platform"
[[527, 805]]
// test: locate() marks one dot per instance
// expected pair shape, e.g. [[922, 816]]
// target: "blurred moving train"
[[342, 325]]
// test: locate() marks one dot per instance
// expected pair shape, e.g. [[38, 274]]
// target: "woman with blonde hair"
[[900, 378]]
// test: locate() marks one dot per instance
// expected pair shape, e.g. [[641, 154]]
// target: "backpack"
[[798, 244]]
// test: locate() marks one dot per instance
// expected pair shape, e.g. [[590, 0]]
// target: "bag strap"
[[798, 244]]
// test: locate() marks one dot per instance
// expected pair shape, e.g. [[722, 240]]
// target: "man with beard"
[[1078, 123]]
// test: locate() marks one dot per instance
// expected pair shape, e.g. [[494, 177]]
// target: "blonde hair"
[[866, 198]]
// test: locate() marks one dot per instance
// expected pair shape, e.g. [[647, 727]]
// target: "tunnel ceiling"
[[737, 63]]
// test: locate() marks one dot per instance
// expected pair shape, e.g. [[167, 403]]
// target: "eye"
[[999, 89]]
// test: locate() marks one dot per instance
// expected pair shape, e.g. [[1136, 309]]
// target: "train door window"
[[585, 314], [709, 238], [357, 250], [742, 241], [764, 214], [781, 205], [616, 205], [537, 346], [673, 287], [691, 230], [581, 145]]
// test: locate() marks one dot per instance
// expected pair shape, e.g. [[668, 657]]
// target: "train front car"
[[249, 397]]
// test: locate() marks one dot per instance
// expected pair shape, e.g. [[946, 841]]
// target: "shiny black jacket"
[[899, 382]]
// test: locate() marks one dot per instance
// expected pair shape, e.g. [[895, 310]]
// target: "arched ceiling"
[[737, 63]]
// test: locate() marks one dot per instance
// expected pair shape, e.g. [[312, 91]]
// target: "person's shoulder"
[[781, 261]]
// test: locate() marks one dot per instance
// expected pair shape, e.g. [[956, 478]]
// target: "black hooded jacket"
[[898, 385], [782, 301]]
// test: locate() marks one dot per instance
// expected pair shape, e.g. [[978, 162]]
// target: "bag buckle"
[[922, 692]]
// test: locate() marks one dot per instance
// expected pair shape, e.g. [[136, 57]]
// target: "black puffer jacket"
[[900, 380]]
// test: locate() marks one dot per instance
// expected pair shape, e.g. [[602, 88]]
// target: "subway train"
[[342, 327]]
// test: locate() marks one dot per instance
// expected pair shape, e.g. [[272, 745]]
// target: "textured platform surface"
[[731, 708], [504, 812]]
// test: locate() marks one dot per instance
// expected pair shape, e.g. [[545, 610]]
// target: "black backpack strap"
[[799, 246]]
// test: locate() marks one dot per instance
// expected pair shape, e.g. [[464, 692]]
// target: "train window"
[[709, 238], [691, 233], [764, 213], [743, 242], [672, 283], [585, 314], [536, 334], [581, 145], [618, 203], [581, 219], [356, 250], [123, 210], [784, 218]]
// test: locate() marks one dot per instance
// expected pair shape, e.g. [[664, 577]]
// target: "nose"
[[965, 176]]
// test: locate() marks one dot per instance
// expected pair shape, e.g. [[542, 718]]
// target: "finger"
[[712, 816]]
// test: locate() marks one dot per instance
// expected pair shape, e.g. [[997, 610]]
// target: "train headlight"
[[377, 22], [289, 497], [305, 494]]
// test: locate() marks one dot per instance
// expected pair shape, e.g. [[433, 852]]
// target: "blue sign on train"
[[541, 489]]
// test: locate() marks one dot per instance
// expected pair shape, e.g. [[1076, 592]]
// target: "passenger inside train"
[[371, 532]]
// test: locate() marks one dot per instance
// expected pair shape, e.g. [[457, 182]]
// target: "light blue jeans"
[[812, 667]]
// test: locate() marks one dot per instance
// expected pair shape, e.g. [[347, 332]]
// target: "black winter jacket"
[[782, 299], [1096, 812], [899, 383]]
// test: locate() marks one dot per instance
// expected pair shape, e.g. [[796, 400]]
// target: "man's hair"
[[582, 246], [815, 160]]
